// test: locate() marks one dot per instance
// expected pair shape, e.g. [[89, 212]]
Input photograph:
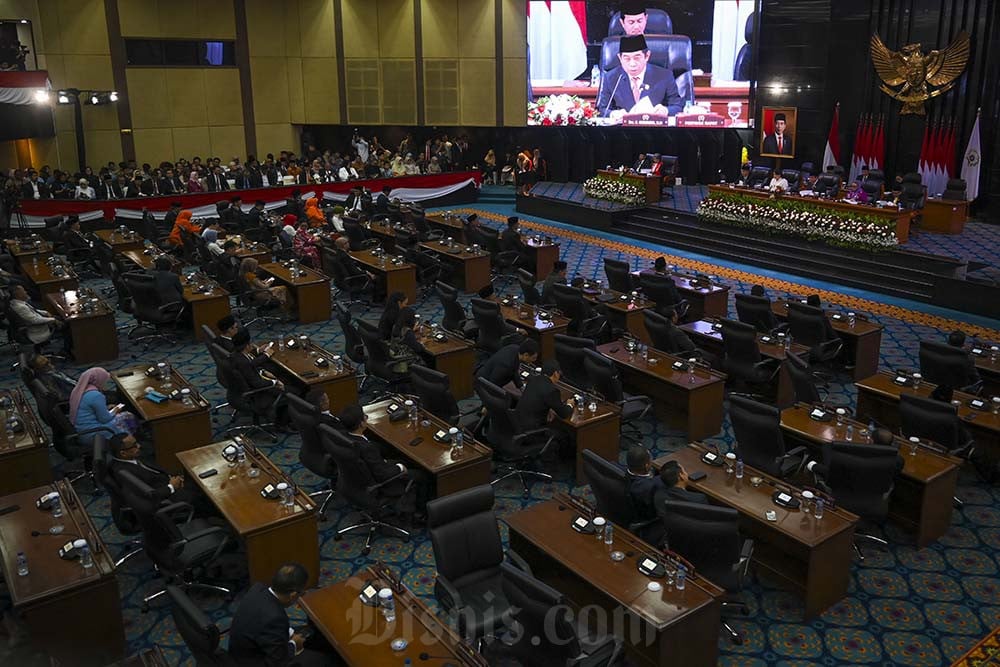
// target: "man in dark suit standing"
[[108, 189], [216, 181], [241, 179], [634, 78], [503, 367], [541, 396], [234, 213], [261, 635], [778, 143], [382, 203]]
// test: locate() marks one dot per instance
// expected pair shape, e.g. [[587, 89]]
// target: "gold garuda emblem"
[[917, 72]]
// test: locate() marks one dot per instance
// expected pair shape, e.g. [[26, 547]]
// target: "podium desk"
[[92, 332], [309, 288], [296, 366], [207, 305]]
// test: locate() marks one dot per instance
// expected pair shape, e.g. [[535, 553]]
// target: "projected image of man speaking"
[[634, 79]]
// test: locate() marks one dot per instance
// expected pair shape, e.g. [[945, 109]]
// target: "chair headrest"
[[700, 511], [748, 28], [456, 506], [671, 52], [657, 23], [752, 406], [912, 177]]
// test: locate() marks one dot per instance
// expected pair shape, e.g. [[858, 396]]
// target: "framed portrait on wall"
[[777, 132]]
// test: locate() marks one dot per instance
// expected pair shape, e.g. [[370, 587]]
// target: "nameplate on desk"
[[712, 459], [716, 326], [977, 404], [902, 381], [440, 337], [442, 436], [270, 492], [582, 525], [679, 366], [543, 316], [767, 340], [369, 595], [651, 568], [837, 316], [978, 351], [785, 500], [819, 414]]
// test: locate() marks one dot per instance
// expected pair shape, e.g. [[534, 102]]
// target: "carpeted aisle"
[[906, 606]]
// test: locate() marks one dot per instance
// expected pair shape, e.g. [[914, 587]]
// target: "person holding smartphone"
[[89, 411]]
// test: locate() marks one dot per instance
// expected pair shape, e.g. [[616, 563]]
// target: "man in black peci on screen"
[[634, 79]]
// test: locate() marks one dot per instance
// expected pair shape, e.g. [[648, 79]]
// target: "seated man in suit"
[[635, 79], [125, 451], [39, 324], [540, 397], [168, 284], [633, 17], [411, 489], [247, 364], [814, 301], [228, 328], [216, 181], [73, 238], [510, 239], [504, 365], [55, 381], [556, 276], [321, 401], [643, 482], [956, 339], [261, 634], [673, 486], [234, 214], [744, 175]]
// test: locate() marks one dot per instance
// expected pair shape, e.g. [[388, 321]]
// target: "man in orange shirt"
[[183, 222]]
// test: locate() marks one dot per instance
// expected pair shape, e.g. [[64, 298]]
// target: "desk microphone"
[[36, 533], [426, 656], [612, 98]]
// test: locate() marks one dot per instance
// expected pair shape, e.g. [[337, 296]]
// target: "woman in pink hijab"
[[194, 183], [89, 412]]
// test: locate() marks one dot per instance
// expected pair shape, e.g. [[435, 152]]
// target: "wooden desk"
[[666, 627], [73, 615], [310, 289], [989, 369], [47, 281], [24, 462], [902, 219], [543, 331], [695, 407], [470, 270], [599, 431], [252, 249], [271, 534], [862, 342], [361, 635], [450, 475], [705, 336], [944, 216], [206, 307], [812, 557], [24, 253], [385, 233], [647, 183], [130, 240], [144, 260], [451, 226], [704, 299], [391, 277], [878, 398], [620, 310], [922, 498], [545, 253], [296, 367], [175, 427], [93, 335], [453, 356]]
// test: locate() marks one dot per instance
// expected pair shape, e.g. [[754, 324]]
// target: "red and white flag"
[[878, 154], [23, 87], [557, 39], [924, 164], [862, 141], [831, 156]]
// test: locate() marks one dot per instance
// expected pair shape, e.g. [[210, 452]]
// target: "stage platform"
[[960, 272]]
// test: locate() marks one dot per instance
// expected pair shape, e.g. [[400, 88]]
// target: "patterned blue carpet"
[[905, 606]]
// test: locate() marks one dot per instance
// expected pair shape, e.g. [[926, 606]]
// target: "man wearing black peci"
[[634, 79]]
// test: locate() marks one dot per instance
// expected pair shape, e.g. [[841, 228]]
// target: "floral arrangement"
[[797, 218], [609, 189], [561, 110]]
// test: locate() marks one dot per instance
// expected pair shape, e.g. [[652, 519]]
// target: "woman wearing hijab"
[[306, 246], [211, 237], [259, 291], [410, 165], [193, 184], [313, 214], [83, 190], [393, 306], [397, 166], [287, 233], [89, 412], [184, 222]]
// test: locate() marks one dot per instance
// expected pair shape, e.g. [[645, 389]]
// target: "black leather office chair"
[[244, 400], [379, 361], [355, 485], [583, 321], [874, 184], [180, 546], [357, 237], [912, 193], [619, 275], [956, 189], [348, 279], [936, 421], [455, 318], [828, 185], [742, 361], [662, 334], [312, 454], [657, 23], [759, 438], [569, 354], [861, 477], [709, 538], [809, 326], [513, 446], [663, 292], [759, 177], [199, 633], [468, 554], [741, 68], [65, 437], [756, 310], [493, 330], [550, 633], [121, 515], [941, 363], [354, 347], [434, 390], [672, 52], [158, 318], [606, 381], [611, 484], [804, 381], [529, 290]]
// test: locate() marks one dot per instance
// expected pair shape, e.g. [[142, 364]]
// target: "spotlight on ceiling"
[[93, 99], [113, 96], [63, 98]]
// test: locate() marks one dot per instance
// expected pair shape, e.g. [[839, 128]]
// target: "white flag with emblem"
[[971, 162]]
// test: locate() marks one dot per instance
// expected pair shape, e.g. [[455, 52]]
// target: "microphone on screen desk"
[[611, 99]]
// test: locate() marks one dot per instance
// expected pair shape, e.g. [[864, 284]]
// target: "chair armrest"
[[254, 392], [379, 485], [974, 388], [207, 532], [455, 598], [637, 526], [516, 559], [369, 243], [172, 508], [793, 452], [746, 554]]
